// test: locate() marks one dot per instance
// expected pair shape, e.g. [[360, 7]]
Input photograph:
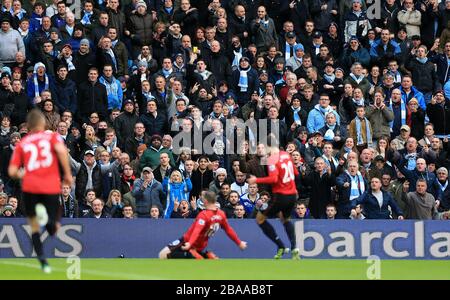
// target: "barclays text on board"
[[92, 238]]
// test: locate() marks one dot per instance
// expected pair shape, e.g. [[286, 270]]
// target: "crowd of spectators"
[[360, 102]]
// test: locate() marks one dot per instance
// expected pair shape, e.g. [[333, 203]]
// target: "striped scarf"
[[36, 84], [357, 187], [402, 113], [359, 136], [243, 79]]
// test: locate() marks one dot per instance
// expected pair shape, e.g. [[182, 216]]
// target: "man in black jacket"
[[92, 97], [218, 63], [133, 142], [124, 124]]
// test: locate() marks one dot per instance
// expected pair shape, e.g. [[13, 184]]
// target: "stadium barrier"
[[140, 238]]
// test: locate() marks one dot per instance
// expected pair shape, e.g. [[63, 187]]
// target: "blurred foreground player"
[[195, 240], [36, 160], [282, 178]]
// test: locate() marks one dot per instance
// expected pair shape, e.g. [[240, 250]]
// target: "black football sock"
[[269, 231], [37, 245], [289, 227]]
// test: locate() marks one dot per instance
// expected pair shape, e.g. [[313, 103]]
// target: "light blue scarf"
[[237, 57], [329, 78], [287, 52], [86, 18], [422, 60], [166, 73], [297, 115], [359, 137], [36, 84], [357, 187], [402, 113], [243, 79], [357, 79]]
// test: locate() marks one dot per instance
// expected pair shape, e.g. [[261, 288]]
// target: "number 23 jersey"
[[36, 153]]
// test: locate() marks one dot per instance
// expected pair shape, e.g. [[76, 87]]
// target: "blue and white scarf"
[[422, 60], [70, 29], [329, 78], [296, 113], [357, 187], [148, 96], [402, 113], [359, 102], [36, 84], [357, 79], [359, 137], [329, 134], [86, 20], [333, 160], [243, 79], [166, 73], [237, 58], [287, 51], [113, 58], [442, 187]]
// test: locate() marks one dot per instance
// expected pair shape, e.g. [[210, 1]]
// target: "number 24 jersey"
[[281, 174]]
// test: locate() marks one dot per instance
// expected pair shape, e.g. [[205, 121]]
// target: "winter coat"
[[371, 208], [64, 95], [439, 115], [411, 20], [423, 75], [92, 97], [380, 119], [141, 28], [145, 198], [175, 191], [124, 126]]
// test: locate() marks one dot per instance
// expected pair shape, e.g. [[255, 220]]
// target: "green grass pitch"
[[225, 269]]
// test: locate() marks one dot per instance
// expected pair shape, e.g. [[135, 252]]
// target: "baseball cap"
[[317, 35], [379, 158], [354, 38], [415, 38], [147, 169], [405, 127], [314, 134], [128, 101], [67, 45], [290, 34], [91, 152]]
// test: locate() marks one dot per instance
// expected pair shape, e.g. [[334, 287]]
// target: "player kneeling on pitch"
[[195, 240]]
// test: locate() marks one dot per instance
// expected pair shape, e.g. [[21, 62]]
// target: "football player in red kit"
[[36, 161], [194, 241], [282, 178]]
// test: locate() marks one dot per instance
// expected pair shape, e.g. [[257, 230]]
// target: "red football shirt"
[[281, 174], [205, 226], [36, 153]]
